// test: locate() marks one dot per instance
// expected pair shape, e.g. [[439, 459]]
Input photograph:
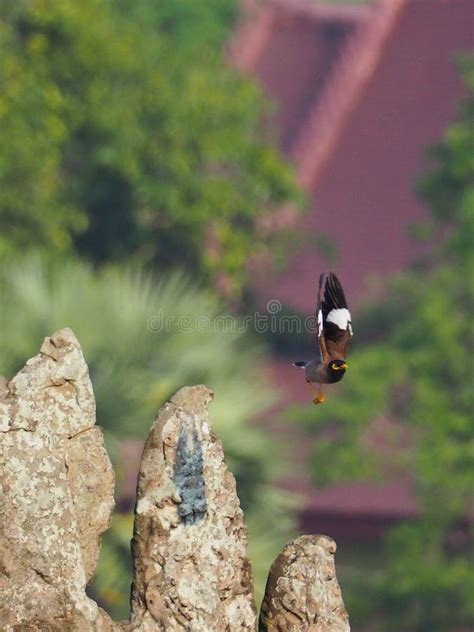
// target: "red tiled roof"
[[294, 72], [393, 499], [357, 124], [355, 66]]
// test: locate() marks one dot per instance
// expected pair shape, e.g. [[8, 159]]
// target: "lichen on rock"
[[190, 540]]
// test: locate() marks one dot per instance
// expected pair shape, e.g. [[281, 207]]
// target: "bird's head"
[[336, 370]]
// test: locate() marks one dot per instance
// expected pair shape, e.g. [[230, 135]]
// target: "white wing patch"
[[320, 323], [340, 317]]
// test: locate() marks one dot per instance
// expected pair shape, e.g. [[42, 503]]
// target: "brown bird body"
[[334, 337]]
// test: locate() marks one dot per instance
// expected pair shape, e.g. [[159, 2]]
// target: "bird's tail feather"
[[300, 364]]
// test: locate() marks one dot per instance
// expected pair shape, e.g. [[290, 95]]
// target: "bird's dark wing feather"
[[334, 319], [320, 322], [333, 295]]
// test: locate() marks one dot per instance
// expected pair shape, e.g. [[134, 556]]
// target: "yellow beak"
[[341, 367]]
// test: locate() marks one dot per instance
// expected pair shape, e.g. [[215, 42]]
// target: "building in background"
[[361, 92]]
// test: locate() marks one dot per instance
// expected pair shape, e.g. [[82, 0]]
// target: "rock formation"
[[190, 540], [56, 492], [189, 548], [302, 592]]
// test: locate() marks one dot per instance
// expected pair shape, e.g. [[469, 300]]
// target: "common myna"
[[334, 338]]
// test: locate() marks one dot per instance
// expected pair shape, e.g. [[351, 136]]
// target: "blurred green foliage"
[[419, 372], [127, 135], [139, 353], [128, 140]]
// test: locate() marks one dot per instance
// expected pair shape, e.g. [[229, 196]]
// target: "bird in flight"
[[334, 338]]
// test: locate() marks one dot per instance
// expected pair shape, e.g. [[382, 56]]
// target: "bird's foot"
[[319, 399]]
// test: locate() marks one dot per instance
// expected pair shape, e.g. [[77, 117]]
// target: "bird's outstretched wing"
[[334, 319]]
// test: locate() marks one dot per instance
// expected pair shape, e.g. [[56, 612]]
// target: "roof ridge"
[[255, 25], [347, 79], [323, 10], [251, 34]]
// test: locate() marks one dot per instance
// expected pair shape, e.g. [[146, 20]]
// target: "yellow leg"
[[318, 398]]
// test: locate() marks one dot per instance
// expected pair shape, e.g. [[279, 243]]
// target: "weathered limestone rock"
[[189, 546], [56, 489], [302, 592]]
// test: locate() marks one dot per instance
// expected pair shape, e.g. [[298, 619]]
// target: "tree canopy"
[[128, 136]]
